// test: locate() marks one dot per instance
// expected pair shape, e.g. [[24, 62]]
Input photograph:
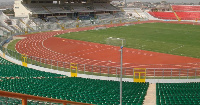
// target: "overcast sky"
[[176, 1], [6, 0]]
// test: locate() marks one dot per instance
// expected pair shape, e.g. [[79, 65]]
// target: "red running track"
[[44, 45]]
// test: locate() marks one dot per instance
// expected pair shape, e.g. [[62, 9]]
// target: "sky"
[[6, 0], [175, 1], [172, 1]]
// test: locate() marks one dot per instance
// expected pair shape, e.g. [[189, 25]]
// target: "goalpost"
[[115, 41]]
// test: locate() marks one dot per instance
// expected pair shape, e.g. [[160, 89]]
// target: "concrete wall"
[[20, 10]]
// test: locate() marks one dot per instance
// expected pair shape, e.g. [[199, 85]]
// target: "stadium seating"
[[120, 15], [78, 89], [20, 71], [36, 9], [3, 18], [3, 29], [178, 93], [186, 8], [105, 16], [9, 101], [56, 9], [98, 7], [135, 12], [164, 15], [188, 15], [140, 12], [84, 17], [9, 69], [74, 7], [110, 7], [5, 62], [78, 7], [184, 12], [19, 79], [15, 101]]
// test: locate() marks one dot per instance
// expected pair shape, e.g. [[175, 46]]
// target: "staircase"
[[138, 13], [175, 14]]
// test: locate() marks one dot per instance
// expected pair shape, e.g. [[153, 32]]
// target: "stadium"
[[84, 52]]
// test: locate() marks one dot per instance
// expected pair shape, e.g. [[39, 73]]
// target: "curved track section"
[[51, 49]]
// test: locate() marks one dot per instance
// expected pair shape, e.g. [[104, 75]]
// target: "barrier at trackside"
[[151, 73]]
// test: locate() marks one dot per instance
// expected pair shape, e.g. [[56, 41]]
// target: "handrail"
[[24, 98]]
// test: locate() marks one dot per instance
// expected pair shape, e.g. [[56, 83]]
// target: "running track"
[[45, 46]]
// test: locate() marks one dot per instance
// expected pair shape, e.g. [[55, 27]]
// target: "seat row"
[[186, 7], [181, 15], [78, 89], [20, 79], [20, 71], [178, 93], [15, 101]]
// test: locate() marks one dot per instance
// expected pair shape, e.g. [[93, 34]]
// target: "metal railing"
[[108, 71], [27, 99]]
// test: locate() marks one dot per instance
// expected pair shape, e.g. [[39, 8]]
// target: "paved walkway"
[[150, 98]]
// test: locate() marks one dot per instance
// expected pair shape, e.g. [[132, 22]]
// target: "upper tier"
[[186, 8]]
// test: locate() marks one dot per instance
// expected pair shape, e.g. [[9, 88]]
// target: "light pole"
[[121, 73], [115, 42]]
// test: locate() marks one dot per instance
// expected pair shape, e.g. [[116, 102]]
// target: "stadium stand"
[[188, 15], [36, 9], [186, 8], [16, 101], [2, 22], [9, 101], [184, 12], [78, 89], [177, 93], [56, 9], [110, 7], [9, 69], [78, 7], [98, 7], [105, 16], [19, 79], [4, 62], [163, 15], [135, 12], [70, 8]]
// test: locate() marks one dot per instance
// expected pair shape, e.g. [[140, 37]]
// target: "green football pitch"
[[176, 39]]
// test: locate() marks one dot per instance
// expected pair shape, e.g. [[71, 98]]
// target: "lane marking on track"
[[44, 51]]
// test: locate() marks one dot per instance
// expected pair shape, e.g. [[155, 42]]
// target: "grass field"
[[176, 39], [12, 44]]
